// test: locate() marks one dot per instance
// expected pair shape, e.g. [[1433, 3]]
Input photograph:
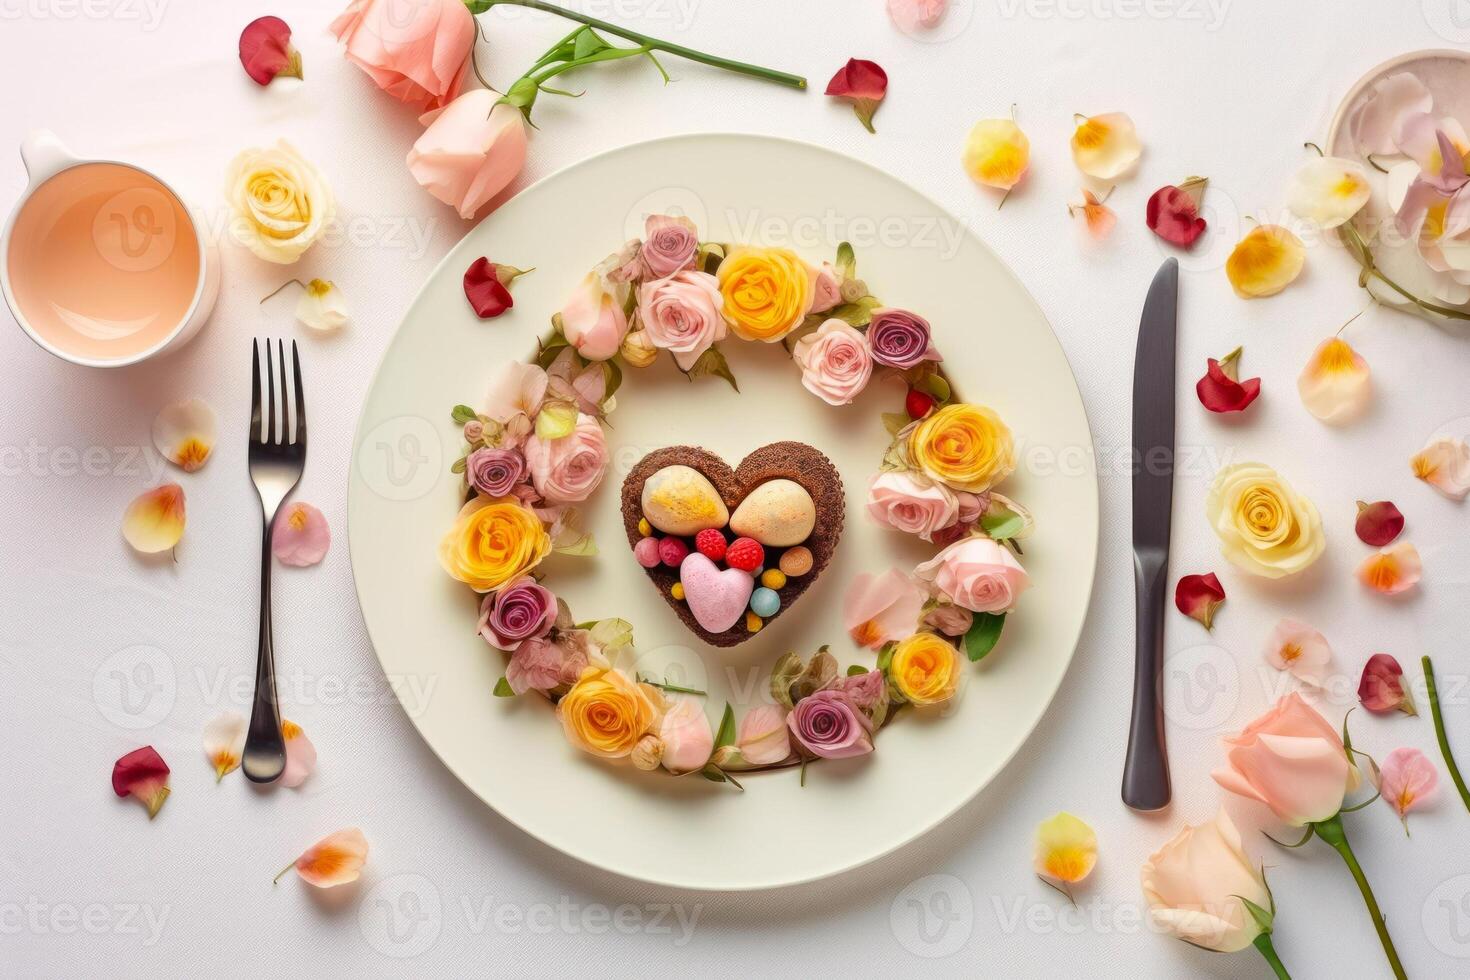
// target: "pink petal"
[[1394, 99], [1392, 570], [1299, 649], [1406, 779], [300, 755], [300, 536], [879, 608]]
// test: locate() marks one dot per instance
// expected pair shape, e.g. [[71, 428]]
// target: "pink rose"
[[682, 314], [827, 289], [592, 320], [828, 725], [686, 736], [976, 573], [415, 50], [835, 362], [879, 608], [867, 691], [912, 503], [470, 151], [763, 737], [568, 469], [539, 664], [1292, 760], [669, 244], [949, 619]]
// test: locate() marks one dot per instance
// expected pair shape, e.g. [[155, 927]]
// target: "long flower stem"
[[1439, 732], [1331, 831], [1263, 943], [652, 43], [1370, 268]]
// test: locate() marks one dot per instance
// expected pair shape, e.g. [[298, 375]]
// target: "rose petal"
[[1328, 191], [224, 742], [1066, 849], [184, 433], [266, 51], [1299, 649], [142, 773], [1336, 385], [1406, 779], [1378, 120], [1219, 392], [1419, 139], [1265, 261], [997, 153], [154, 521], [1097, 216], [1173, 213], [1198, 596], [488, 296], [1105, 146], [300, 535], [1378, 523], [1381, 687], [1444, 463], [880, 608], [322, 306], [334, 860], [300, 754], [1393, 570], [862, 82]]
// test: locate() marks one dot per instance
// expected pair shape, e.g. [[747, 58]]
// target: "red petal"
[[1198, 596], [486, 293], [1219, 392], [144, 774], [1173, 216], [265, 50], [1379, 523], [917, 403], [1382, 686], [859, 80]]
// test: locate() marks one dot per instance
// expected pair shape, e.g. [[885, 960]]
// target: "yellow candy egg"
[[644, 528], [773, 578], [677, 591], [753, 623]]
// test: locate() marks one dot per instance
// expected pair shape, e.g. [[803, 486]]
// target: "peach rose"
[[607, 713], [835, 362], [1292, 760], [976, 573], [469, 151], [415, 50], [592, 319], [568, 469], [1194, 885], [911, 502]]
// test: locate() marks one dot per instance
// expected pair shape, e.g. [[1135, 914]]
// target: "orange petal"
[[154, 522], [1098, 217], [1066, 849], [1445, 465], [1265, 261], [224, 743], [1105, 146], [1335, 386], [1395, 569], [334, 860], [997, 153]]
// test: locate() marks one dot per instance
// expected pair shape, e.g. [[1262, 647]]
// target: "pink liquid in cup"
[[103, 262]]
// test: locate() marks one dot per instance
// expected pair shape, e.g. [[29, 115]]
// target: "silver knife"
[[1146, 768]]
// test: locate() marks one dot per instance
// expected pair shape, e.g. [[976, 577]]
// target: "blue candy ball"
[[764, 602]]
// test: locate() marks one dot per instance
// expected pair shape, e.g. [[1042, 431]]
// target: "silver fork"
[[275, 468]]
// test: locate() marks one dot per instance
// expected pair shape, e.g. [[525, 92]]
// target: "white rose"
[[280, 202]]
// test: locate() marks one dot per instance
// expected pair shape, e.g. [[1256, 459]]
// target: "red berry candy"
[[745, 554], [918, 403], [711, 543], [672, 551]]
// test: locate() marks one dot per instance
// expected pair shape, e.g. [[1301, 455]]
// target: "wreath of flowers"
[[537, 451]]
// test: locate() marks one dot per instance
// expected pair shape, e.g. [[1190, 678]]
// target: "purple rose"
[[519, 611], [828, 725], [494, 472], [669, 245], [900, 339]]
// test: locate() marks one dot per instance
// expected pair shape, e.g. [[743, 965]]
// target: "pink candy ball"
[[672, 551], [647, 552]]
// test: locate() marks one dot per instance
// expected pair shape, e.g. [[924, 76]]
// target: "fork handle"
[[265, 749]]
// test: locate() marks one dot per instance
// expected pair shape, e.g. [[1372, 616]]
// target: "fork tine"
[[270, 370], [255, 391], [300, 436]]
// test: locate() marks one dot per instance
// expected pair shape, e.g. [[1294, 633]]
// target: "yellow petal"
[[154, 522], [184, 433], [997, 153], [1328, 191], [1066, 849], [1265, 261], [224, 743], [1445, 465], [1105, 146], [1335, 386]]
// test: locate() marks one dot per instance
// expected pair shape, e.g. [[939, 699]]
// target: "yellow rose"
[[494, 539], [280, 202], [767, 292], [1264, 526], [965, 447], [925, 669], [607, 713]]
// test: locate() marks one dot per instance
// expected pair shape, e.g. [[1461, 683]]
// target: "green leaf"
[[556, 420], [478, 7], [612, 634], [1262, 916], [983, 634], [725, 735], [783, 675], [854, 670], [713, 774], [582, 545], [614, 379], [458, 465], [935, 384], [846, 260], [712, 363], [587, 43], [856, 314], [895, 421], [503, 689], [462, 414], [885, 655], [1002, 526]]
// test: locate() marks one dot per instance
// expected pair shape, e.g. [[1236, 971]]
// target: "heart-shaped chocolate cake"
[[732, 549]]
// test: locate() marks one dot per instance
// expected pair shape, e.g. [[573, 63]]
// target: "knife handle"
[[1146, 766]]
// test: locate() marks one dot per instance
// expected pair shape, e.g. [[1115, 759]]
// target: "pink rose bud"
[[470, 151], [1292, 760], [669, 244], [827, 292], [592, 319], [686, 736]]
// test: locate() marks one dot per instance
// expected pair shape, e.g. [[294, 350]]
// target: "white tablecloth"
[[100, 652]]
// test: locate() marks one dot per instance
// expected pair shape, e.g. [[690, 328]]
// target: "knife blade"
[[1146, 783]]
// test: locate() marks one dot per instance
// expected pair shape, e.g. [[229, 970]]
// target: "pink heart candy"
[[715, 597]]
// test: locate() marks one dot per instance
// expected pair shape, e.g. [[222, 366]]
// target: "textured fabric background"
[[100, 652]]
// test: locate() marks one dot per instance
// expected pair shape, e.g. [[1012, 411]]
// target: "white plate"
[[689, 832]]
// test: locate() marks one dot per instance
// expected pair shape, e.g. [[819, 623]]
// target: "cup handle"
[[44, 155]]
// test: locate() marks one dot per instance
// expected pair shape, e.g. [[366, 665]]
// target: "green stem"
[[606, 54], [1331, 831], [651, 43], [1439, 732], [1370, 268], [1263, 943]]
